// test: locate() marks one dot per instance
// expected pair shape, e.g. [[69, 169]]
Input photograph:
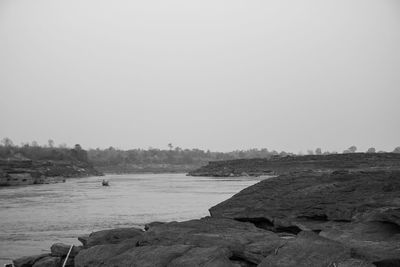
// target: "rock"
[[83, 239], [70, 261], [207, 242], [19, 170], [48, 261], [308, 249], [61, 250], [388, 263], [244, 240], [113, 236], [97, 255], [205, 257], [28, 261], [316, 197], [149, 225], [148, 256], [358, 208], [373, 241]]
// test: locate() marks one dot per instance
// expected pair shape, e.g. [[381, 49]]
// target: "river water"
[[34, 217]]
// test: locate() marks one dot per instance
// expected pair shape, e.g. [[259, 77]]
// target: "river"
[[34, 217]]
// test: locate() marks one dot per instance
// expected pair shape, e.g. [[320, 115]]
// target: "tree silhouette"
[[7, 142], [371, 150]]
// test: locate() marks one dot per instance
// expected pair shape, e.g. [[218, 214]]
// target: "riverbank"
[[146, 168], [281, 165], [333, 218], [24, 171]]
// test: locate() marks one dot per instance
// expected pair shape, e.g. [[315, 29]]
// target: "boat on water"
[[104, 183]]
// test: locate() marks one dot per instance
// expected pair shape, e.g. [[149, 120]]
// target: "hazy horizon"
[[218, 75]]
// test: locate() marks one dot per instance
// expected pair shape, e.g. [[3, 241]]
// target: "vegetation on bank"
[[36, 152], [173, 159]]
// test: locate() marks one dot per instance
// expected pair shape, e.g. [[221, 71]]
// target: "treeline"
[[175, 156], [34, 151], [143, 159]]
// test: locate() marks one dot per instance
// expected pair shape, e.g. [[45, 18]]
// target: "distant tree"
[[283, 154], [78, 147], [318, 151], [7, 142], [82, 155], [35, 144], [396, 150], [50, 142], [371, 150], [351, 149], [310, 152], [63, 145], [170, 146], [274, 152]]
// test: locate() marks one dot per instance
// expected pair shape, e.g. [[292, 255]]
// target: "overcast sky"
[[211, 74]]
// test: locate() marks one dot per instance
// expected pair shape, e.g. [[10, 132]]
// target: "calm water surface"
[[34, 217]]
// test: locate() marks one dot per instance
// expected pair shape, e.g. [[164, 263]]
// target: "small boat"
[[104, 183]]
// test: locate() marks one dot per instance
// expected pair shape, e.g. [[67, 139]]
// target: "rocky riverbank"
[[340, 218], [23, 171], [282, 165]]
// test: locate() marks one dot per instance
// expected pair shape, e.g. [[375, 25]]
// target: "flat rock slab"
[[358, 208], [342, 196], [309, 249]]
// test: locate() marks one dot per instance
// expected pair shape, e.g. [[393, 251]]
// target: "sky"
[[210, 74]]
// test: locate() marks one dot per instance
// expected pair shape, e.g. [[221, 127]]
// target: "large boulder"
[[204, 242], [48, 261], [28, 261], [357, 208], [61, 250], [97, 255], [112, 236], [244, 240]]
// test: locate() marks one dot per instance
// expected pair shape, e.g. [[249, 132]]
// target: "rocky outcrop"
[[287, 164], [208, 242], [113, 236], [358, 208], [22, 171]]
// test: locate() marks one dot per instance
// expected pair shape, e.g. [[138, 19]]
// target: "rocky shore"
[[333, 218], [24, 171], [281, 165]]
